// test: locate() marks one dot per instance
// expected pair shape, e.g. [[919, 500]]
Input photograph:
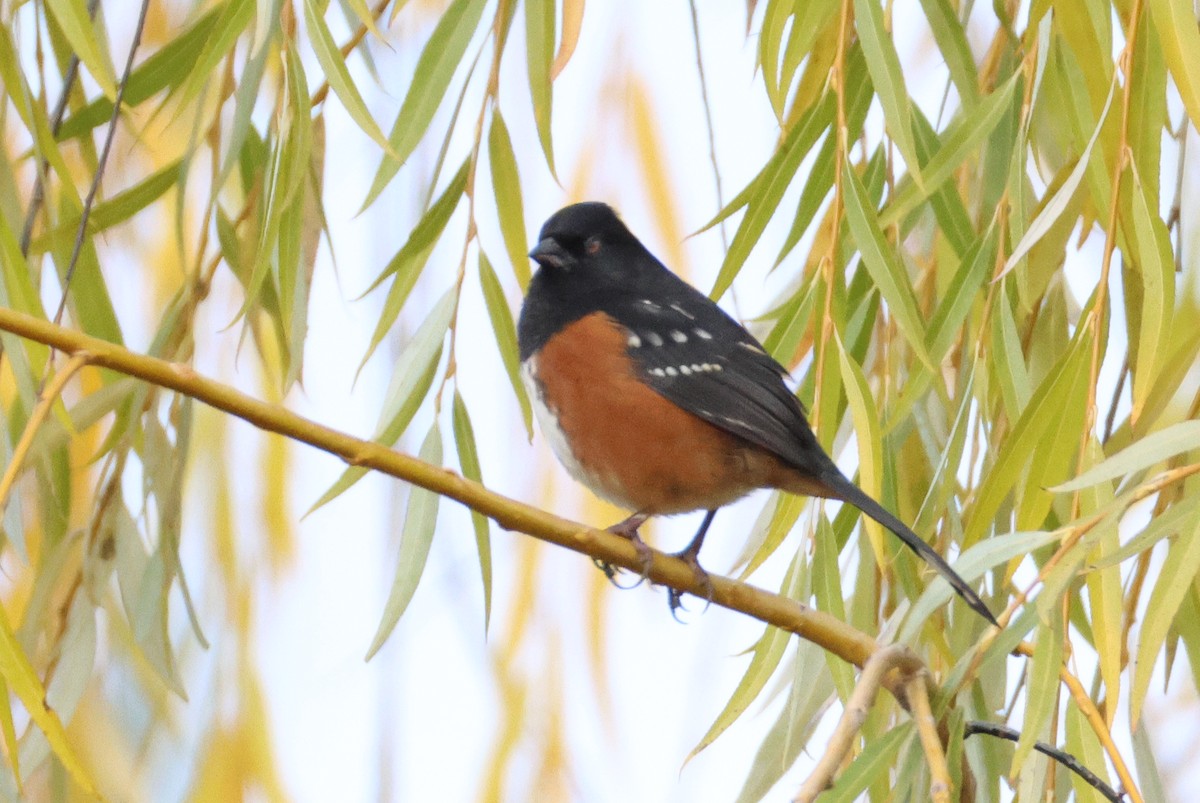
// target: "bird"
[[657, 400]]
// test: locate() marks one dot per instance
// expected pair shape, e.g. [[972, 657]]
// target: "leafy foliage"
[[992, 289]]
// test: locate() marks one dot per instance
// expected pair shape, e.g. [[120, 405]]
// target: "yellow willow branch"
[[858, 706], [822, 629], [941, 786], [1099, 726]]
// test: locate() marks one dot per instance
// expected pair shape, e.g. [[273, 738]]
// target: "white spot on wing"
[[671, 371], [678, 336], [683, 312], [654, 338], [634, 341], [703, 335], [683, 369]]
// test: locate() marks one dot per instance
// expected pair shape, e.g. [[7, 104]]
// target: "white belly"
[[603, 487]]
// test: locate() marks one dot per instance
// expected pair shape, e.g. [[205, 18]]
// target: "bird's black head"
[[584, 238], [588, 261]]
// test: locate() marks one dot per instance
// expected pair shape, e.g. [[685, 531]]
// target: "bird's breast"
[[621, 438]]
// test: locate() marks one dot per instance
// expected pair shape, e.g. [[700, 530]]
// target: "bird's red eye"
[[592, 246]]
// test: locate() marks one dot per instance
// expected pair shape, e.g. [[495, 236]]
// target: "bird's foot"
[[675, 596], [629, 529]]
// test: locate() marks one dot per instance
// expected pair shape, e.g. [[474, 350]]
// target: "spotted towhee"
[[656, 399]]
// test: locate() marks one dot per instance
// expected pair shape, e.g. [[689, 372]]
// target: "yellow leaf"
[[23, 681], [572, 22]]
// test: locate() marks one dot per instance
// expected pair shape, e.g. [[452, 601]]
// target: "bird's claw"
[[629, 529], [675, 596]]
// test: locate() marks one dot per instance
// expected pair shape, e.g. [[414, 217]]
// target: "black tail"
[[847, 491]]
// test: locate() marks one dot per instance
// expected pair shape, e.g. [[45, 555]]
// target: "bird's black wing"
[[691, 352], [688, 350]]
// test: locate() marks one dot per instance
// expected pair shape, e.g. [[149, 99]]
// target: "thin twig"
[[828, 263], [712, 139], [1066, 759], [1095, 316], [896, 656], [1111, 420], [56, 121], [1100, 728], [101, 162]]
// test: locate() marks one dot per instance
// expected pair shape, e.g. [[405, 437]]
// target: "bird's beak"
[[549, 253]]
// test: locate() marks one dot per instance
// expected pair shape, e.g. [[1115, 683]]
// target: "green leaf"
[[420, 520], [468, 460], [233, 22], [807, 698], [830, 597], [1156, 268], [769, 531], [9, 730], [884, 65], [870, 441], [246, 96], [24, 682], [409, 261], [1171, 522], [1174, 581], [970, 566], [435, 68], [770, 38], [1009, 370], [510, 208], [329, 55], [1154, 448], [1148, 774], [960, 295], [1058, 203], [116, 210], [1175, 21], [506, 336], [364, 15], [1041, 693], [768, 651], [808, 21], [871, 766], [965, 135], [1084, 745], [411, 380], [1042, 411], [951, 36], [167, 67], [428, 228], [77, 26], [89, 300], [767, 189], [539, 44], [879, 258], [12, 79]]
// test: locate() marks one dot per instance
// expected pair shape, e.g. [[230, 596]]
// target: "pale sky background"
[[425, 708]]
